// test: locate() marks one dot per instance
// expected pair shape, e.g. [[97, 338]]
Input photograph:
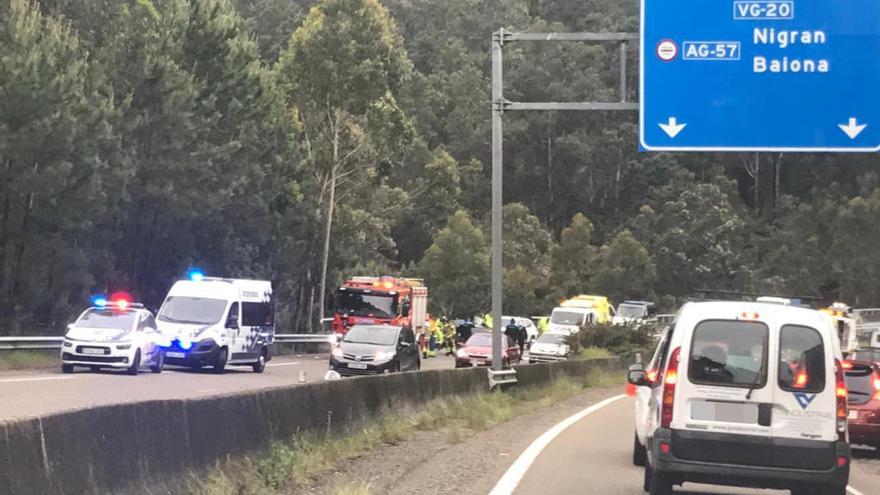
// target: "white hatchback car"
[[743, 394], [113, 335]]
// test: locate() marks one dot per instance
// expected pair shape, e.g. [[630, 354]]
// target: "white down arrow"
[[672, 128], [853, 129]]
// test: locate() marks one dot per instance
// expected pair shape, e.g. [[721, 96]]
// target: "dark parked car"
[[477, 351], [375, 349], [863, 384]]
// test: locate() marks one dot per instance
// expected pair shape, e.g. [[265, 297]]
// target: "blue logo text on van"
[[804, 399]]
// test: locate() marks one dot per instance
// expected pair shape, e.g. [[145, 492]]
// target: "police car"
[[115, 334]]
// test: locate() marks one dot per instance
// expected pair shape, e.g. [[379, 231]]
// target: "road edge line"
[[515, 473], [853, 490]]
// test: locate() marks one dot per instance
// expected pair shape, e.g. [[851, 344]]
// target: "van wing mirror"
[[638, 378], [232, 322]]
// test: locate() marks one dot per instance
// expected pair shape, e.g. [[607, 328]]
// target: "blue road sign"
[[760, 75]]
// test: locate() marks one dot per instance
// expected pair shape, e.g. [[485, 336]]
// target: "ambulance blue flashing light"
[[99, 300], [185, 344], [195, 274]]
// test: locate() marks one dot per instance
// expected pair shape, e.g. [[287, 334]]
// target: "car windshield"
[[631, 311], [107, 318], [729, 353], [860, 384], [357, 303], [551, 338], [372, 335], [480, 340], [192, 310], [866, 356], [567, 318]]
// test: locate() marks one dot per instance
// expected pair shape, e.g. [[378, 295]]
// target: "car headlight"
[[460, 353], [384, 356], [123, 347], [337, 352]]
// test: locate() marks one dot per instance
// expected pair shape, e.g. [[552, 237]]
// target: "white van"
[[217, 322], [743, 394], [569, 320]]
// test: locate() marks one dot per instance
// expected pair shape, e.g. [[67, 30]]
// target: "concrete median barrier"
[[148, 447]]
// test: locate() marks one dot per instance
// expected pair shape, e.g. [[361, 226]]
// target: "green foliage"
[[619, 340], [456, 267], [306, 141], [574, 258], [624, 269]]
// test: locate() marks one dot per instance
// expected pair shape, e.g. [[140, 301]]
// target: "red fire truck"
[[380, 301]]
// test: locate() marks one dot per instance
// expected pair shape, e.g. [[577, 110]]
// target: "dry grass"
[[297, 462], [20, 360]]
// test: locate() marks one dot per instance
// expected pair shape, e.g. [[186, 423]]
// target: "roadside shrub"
[[619, 340]]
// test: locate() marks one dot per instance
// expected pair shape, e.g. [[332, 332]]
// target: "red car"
[[863, 383], [477, 351]]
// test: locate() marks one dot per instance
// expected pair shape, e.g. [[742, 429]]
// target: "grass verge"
[[302, 459], [594, 353], [20, 360]]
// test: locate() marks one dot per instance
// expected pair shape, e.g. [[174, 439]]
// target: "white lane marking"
[[36, 379], [282, 364], [853, 491], [514, 474]]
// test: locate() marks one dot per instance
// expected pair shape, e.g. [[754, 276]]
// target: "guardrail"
[[48, 343]]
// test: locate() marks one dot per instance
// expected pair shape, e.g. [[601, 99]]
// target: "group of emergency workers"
[[438, 334], [442, 335]]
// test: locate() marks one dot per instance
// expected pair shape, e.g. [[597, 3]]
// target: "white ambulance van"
[[218, 322], [743, 394]]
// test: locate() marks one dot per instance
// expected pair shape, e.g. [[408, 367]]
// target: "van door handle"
[[765, 414]]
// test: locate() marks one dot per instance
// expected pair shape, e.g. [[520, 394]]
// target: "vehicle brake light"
[[840, 393], [846, 365], [876, 382], [801, 380], [669, 382], [664, 447], [841, 461]]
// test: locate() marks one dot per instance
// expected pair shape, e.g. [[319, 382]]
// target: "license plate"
[[357, 366], [479, 363], [853, 415], [91, 350], [175, 355]]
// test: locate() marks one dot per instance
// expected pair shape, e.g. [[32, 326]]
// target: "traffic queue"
[[203, 322], [762, 394]]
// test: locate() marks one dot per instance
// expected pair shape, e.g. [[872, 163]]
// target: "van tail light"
[[840, 394], [669, 382]]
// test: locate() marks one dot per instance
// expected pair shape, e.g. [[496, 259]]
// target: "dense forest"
[[304, 141]]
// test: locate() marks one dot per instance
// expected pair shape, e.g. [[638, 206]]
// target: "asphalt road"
[[37, 393], [594, 455]]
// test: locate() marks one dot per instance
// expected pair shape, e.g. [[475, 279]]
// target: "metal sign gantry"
[[499, 106]]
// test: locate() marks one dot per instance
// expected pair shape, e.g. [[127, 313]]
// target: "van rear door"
[[723, 412], [804, 412]]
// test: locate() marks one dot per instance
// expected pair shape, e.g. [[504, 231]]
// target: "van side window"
[[256, 314], [801, 359], [729, 353], [658, 361], [233, 312]]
